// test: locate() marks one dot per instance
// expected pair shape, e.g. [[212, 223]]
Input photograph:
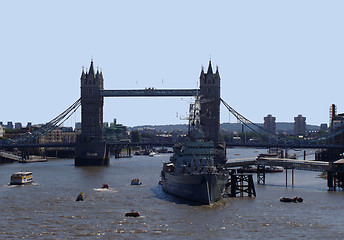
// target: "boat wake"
[[105, 190], [21, 185]]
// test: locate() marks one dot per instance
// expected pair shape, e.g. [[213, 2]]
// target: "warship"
[[195, 169]]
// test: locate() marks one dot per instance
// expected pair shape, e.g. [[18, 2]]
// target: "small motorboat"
[[105, 186], [295, 199], [80, 197], [247, 170], [136, 181], [273, 169], [132, 214], [152, 154], [286, 199]]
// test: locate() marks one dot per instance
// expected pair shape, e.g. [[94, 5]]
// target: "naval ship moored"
[[195, 169]]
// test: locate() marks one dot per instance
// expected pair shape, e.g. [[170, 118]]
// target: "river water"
[[47, 209]]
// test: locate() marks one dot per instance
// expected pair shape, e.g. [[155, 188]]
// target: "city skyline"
[[278, 58], [77, 125]]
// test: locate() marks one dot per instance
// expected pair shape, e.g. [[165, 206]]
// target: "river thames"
[[47, 209]]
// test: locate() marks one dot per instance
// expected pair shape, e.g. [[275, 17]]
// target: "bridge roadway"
[[150, 92], [69, 145], [281, 162]]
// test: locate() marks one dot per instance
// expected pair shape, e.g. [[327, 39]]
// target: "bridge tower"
[[91, 149], [210, 103]]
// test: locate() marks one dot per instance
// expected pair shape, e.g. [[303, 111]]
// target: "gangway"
[[10, 156]]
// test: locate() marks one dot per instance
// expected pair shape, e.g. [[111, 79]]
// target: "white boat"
[[20, 178], [152, 154]]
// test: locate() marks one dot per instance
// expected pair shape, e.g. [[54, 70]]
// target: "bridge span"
[[150, 92]]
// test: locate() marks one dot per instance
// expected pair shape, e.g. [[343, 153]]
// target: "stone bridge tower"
[[91, 149], [210, 103], [91, 105]]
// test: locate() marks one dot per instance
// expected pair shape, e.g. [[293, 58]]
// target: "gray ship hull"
[[203, 188]]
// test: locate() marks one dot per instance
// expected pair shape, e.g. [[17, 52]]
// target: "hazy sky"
[[275, 57]]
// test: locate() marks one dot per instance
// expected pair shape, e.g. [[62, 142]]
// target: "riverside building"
[[270, 123], [299, 125]]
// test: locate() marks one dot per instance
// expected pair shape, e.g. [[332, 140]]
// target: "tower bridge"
[[91, 148]]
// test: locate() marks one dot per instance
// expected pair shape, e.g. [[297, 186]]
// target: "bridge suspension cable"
[[50, 126], [247, 123], [328, 136]]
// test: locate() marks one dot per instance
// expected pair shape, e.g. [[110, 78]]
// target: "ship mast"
[[194, 115]]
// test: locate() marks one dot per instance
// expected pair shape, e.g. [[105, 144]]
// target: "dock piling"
[[240, 184]]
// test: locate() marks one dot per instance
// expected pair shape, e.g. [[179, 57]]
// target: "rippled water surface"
[[47, 209]]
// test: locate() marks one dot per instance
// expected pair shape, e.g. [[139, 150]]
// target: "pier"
[[334, 171], [240, 185]]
